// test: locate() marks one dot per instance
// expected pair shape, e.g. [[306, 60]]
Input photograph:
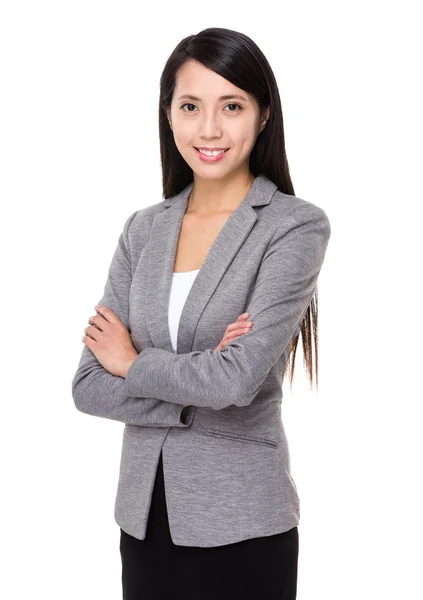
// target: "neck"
[[211, 196]]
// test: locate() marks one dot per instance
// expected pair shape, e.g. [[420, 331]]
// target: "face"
[[210, 121]]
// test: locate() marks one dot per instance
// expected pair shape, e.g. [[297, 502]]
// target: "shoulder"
[[296, 207], [137, 226], [299, 231], [292, 211], [144, 216]]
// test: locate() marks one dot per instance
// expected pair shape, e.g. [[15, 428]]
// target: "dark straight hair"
[[235, 57]]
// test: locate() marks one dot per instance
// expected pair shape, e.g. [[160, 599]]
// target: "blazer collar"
[[164, 237]]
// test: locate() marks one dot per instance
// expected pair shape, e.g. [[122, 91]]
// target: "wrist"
[[127, 365]]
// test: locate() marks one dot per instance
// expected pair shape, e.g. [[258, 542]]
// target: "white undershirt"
[[181, 285]]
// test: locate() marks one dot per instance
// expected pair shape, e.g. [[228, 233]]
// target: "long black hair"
[[236, 58]]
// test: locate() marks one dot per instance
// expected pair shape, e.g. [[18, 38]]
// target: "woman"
[[206, 503]]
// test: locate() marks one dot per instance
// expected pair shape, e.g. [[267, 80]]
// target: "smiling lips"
[[211, 154]]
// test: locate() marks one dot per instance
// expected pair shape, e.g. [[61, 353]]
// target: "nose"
[[210, 126]]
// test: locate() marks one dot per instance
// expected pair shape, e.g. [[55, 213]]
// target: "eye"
[[240, 107], [232, 104], [187, 104]]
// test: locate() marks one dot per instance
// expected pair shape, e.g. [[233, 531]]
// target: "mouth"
[[211, 155], [211, 149]]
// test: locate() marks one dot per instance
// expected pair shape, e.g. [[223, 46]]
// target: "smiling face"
[[201, 118]]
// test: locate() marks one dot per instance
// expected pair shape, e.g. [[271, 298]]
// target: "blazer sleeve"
[[283, 290], [95, 390]]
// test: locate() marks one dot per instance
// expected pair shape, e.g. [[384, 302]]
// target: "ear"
[[168, 117], [265, 118]]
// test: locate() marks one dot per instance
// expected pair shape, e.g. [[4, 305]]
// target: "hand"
[[234, 330], [109, 340]]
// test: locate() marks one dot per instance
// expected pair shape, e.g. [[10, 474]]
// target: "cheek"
[[182, 141], [246, 144], [244, 137], [184, 144], [184, 136]]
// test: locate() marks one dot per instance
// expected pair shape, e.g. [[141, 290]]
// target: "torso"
[[196, 238]]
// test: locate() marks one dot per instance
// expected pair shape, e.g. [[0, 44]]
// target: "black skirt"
[[263, 568]]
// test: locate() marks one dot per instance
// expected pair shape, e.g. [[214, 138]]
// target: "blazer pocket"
[[240, 438]]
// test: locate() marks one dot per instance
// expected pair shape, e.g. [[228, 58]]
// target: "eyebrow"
[[227, 97]]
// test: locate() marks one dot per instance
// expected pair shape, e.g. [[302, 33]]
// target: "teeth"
[[214, 153]]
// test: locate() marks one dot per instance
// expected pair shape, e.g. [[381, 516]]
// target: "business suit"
[[225, 458]]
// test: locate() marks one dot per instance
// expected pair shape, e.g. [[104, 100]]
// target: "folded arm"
[[284, 288], [99, 393]]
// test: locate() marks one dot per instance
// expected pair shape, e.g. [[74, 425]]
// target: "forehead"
[[197, 82]]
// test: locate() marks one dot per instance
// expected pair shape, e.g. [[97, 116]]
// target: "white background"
[[78, 142]]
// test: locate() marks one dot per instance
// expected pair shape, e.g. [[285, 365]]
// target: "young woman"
[[206, 295]]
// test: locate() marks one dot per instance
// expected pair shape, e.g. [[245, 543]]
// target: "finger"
[[241, 319], [233, 335], [92, 331], [88, 341], [237, 333], [106, 313], [237, 325], [97, 321], [243, 316]]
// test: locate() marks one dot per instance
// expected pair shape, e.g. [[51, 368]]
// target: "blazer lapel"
[[164, 237]]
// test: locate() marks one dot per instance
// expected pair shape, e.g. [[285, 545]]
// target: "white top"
[[181, 285]]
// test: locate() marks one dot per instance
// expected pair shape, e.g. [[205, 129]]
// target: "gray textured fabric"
[[226, 458]]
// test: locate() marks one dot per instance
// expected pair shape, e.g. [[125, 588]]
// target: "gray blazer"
[[226, 458]]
